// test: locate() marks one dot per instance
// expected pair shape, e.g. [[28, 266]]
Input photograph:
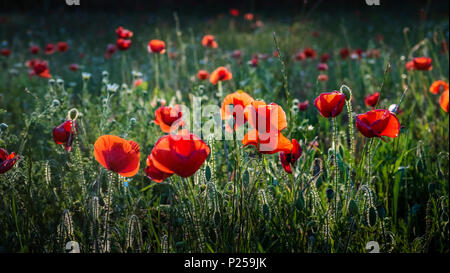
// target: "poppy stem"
[[336, 171], [157, 73], [220, 90], [124, 64], [369, 163], [352, 148], [285, 79]]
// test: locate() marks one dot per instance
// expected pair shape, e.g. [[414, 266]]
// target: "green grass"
[[394, 193]]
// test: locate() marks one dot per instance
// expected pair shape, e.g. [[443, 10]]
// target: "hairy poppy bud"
[[330, 194]]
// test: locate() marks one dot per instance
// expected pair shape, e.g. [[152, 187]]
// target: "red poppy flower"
[[275, 54], [300, 56], [49, 49], [62, 46], [330, 104], [34, 49], [123, 44], [315, 33], [156, 46], [220, 74], [359, 52], [123, 33], [288, 159], [209, 41], [236, 54], [166, 117], [248, 16], [423, 63], [5, 52], [30, 63], [39, 68], [443, 101], [372, 99], [268, 121], [64, 134], [310, 53], [258, 24], [138, 82], [202, 75], [254, 61], [324, 58], [7, 161], [378, 123], [438, 86], [110, 50], [373, 53], [117, 154], [344, 52], [73, 67], [322, 77], [154, 173], [182, 154], [302, 106], [234, 12], [322, 67], [239, 100], [409, 65], [172, 55]]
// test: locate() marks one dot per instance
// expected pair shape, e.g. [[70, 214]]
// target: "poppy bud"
[[3, 126], [55, 103], [353, 208], [372, 99], [330, 194], [60, 83], [302, 106], [347, 92]]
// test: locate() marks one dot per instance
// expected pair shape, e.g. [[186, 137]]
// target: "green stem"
[[220, 90], [157, 72]]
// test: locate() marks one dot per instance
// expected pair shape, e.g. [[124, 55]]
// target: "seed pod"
[[3, 127], [330, 194], [217, 219], [372, 216], [246, 178], [300, 203], [208, 173], [381, 212], [353, 208]]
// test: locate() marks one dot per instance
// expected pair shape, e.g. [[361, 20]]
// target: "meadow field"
[[355, 159]]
